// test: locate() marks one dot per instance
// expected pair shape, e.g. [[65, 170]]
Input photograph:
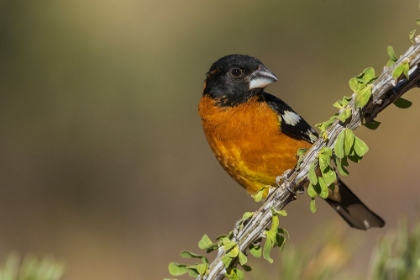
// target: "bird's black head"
[[234, 79]]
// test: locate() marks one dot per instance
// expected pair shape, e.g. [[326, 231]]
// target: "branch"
[[385, 91]]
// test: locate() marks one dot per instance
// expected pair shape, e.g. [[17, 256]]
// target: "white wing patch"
[[290, 118]]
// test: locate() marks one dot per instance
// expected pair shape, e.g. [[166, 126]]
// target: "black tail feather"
[[353, 210]]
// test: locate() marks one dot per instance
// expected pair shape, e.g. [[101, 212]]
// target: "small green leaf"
[[390, 63], [205, 242], [348, 141], [368, 75], [233, 253], [242, 258], [329, 176], [202, 268], [391, 54], [339, 145], [398, 71], [324, 188], [190, 255], [312, 205], [274, 223], [282, 212], [373, 125], [324, 162], [247, 215], [226, 260], [280, 241], [247, 268], [406, 69], [312, 175], [411, 35], [257, 196], [228, 245], [267, 247], [255, 250], [345, 114], [177, 269], [402, 103], [360, 147], [192, 271], [240, 275], [363, 96], [341, 166], [311, 190], [418, 21], [354, 85], [283, 231], [355, 158]]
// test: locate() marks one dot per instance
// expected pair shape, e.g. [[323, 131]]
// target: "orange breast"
[[248, 142]]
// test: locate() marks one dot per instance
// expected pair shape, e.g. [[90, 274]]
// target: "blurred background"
[[103, 160]]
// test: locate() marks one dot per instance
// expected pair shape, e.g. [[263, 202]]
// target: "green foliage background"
[[103, 161]]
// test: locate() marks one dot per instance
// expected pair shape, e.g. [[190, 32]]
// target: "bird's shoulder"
[[291, 123]]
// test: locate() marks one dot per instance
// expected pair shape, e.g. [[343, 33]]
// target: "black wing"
[[292, 123]]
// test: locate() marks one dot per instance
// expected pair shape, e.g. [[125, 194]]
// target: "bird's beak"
[[261, 78]]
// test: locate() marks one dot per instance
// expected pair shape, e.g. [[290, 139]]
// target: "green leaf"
[[418, 21], [398, 71], [226, 260], [345, 114], [339, 145], [402, 103], [311, 190], [205, 243], [324, 188], [360, 147], [259, 194], [274, 223], [312, 175], [312, 205], [391, 54], [355, 158], [190, 255], [354, 85], [228, 245], [247, 215], [255, 250], [233, 253], [363, 96], [192, 271], [177, 269], [267, 247], [390, 63], [202, 268], [324, 162], [283, 231], [341, 166], [282, 212], [247, 268], [368, 75], [280, 241], [348, 141], [240, 275], [242, 259], [411, 35], [329, 176], [373, 125]]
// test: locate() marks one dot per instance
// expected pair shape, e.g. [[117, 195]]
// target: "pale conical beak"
[[261, 78]]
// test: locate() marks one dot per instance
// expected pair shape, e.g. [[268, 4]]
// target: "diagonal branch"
[[385, 91]]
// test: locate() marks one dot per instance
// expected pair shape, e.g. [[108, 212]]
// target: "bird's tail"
[[352, 209]]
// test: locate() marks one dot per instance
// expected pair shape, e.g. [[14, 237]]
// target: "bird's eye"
[[236, 72]]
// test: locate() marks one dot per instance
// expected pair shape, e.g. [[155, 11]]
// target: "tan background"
[[103, 160]]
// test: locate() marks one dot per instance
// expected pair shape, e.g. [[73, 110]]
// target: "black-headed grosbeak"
[[255, 135]]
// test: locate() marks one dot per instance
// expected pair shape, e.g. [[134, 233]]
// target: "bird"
[[255, 135]]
